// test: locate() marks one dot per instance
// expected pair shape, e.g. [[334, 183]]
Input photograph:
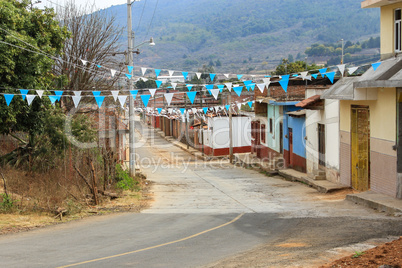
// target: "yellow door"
[[360, 143]]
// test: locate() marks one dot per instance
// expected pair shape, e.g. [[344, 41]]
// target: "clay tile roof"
[[308, 101]]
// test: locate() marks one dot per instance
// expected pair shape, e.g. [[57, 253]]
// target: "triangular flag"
[[191, 96], [226, 75], [229, 86], [113, 72], [189, 87], [250, 103], [134, 93], [76, 100], [212, 76], [227, 107], [159, 110], [261, 87], [40, 93], [169, 97], [248, 87], [84, 62], [30, 98], [239, 76], [99, 66], [96, 93], [284, 84], [252, 86], [122, 100], [99, 100], [209, 87], [58, 93], [352, 70], [205, 110], [341, 68], [194, 110], [143, 70], [130, 69], [77, 93], [52, 99], [171, 73], [323, 71], [157, 72], [128, 76], [174, 85], [266, 80], [182, 110], [315, 76], [247, 82], [221, 87], [152, 91], [24, 92], [158, 83], [239, 106], [115, 93], [375, 65], [8, 98], [215, 93], [331, 76], [238, 90], [145, 99], [185, 74], [304, 74], [198, 75], [285, 77]]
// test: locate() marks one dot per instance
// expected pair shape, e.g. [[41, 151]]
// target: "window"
[[271, 127], [263, 133], [397, 29]]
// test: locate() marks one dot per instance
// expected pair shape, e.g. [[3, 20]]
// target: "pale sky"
[[100, 4]]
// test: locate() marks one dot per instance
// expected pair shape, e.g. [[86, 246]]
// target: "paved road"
[[203, 213]]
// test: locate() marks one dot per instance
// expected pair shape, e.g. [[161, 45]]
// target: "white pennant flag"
[[215, 93], [171, 73], [169, 97], [40, 93], [76, 100], [84, 62], [122, 100], [198, 75], [115, 93], [266, 80], [229, 86], [143, 79], [174, 85], [308, 77], [261, 87], [226, 75], [30, 98], [194, 110], [77, 93], [304, 74], [352, 70], [113, 72], [143, 70], [341, 68], [260, 100], [152, 91], [239, 106]]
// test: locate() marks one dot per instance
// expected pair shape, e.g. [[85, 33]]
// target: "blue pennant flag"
[[227, 107], [250, 103], [239, 76], [128, 76], [24, 93], [99, 100], [209, 87], [134, 93], [98, 66], [182, 110], [158, 83], [252, 86], [205, 110], [185, 74], [212, 76], [323, 71], [375, 65], [58, 93], [284, 84], [95, 93], [159, 110], [157, 72], [238, 90], [9, 98], [130, 69], [189, 87], [331, 76], [295, 75], [314, 75], [220, 88], [191, 96], [285, 77], [52, 99], [248, 87], [145, 99], [247, 82]]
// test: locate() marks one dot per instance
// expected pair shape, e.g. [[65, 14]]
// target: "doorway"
[[321, 145]]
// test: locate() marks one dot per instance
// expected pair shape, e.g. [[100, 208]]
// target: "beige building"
[[370, 111]]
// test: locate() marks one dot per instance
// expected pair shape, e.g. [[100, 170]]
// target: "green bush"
[[124, 181], [7, 203]]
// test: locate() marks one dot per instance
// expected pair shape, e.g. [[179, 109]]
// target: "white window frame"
[[397, 32]]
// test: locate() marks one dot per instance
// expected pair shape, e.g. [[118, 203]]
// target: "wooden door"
[[257, 138], [291, 162], [321, 145], [281, 137], [360, 148]]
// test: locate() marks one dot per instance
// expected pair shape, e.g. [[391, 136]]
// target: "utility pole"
[[130, 87], [230, 129]]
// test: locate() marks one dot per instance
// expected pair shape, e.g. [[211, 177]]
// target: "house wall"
[[383, 158], [387, 28], [297, 124]]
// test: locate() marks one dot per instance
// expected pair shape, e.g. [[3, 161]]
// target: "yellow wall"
[[387, 28], [382, 114]]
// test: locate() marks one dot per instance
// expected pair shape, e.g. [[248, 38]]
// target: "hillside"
[[241, 35]]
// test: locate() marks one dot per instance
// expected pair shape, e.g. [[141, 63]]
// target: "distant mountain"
[[241, 35]]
